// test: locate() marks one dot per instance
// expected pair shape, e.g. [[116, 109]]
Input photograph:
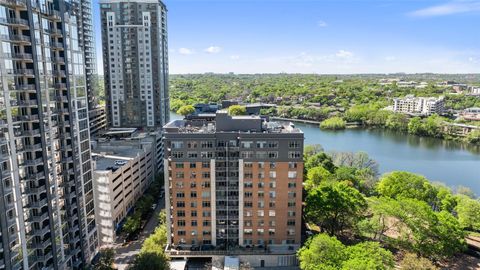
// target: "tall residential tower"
[[45, 160], [134, 38], [234, 183]]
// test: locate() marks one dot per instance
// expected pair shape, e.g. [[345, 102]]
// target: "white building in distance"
[[418, 105]]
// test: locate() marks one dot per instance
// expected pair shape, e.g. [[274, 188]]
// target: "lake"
[[452, 163]]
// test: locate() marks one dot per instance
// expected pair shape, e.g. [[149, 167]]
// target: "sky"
[[320, 36]]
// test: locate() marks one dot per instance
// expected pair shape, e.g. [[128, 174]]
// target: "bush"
[[333, 123]]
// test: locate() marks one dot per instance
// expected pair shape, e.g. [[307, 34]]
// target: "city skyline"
[[322, 37]]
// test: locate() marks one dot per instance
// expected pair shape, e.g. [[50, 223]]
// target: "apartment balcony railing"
[[20, 38], [25, 118], [37, 204], [35, 190], [14, 3], [24, 72], [23, 56], [33, 162]]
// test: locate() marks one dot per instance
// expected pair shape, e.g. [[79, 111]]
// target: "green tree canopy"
[[186, 110], [323, 252], [411, 261], [316, 176], [333, 123], [468, 212], [237, 110], [150, 261], [105, 259], [334, 206], [320, 159], [399, 184]]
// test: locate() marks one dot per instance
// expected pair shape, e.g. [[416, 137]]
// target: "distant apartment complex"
[[135, 55], [48, 219], [418, 105], [234, 182], [124, 168]]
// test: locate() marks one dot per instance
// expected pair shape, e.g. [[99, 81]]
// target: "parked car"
[[195, 248], [207, 247]]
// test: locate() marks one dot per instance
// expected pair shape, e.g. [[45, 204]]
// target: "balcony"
[[59, 60], [37, 204], [23, 103], [25, 87], [21, 118], [14, 3], [20, 38], [17, 22], [33, 162], [25, 72], [41, 232], [54, 14], [56, 45], [27, 133], [35, 190], [59, 73], [40, 245], [38, 218], [23, 56]]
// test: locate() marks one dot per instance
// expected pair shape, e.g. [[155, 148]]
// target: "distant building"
[[97, 119], [474, 90], [418, 105], [472, 114], [135, 60], [234, 182], [124, 167]]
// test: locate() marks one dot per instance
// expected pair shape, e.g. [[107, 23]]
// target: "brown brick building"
[[233, 181]]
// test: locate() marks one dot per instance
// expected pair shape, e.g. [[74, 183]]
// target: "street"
[[124, 255]]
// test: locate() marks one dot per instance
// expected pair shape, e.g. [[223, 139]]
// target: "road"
[[124, 255]]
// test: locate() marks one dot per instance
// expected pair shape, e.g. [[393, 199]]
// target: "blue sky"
[[325, 37]]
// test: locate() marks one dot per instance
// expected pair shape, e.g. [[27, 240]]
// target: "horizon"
[[319, 37]]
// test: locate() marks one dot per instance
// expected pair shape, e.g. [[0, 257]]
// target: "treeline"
[[363, 219]]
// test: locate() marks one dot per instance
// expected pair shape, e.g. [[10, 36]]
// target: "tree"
[[176, 104], [133, 223], [334, 206], [321, 252], [316, 176], [411, 261], [468, 212], [237, 110], [368, 256], [320, 159], [186, 110], [465, 191], [150, 261], [415, 126], [473, 136], [333, 123], [313, 149], [359, 160], [157, 241], [400, 184], [105, 260], [397, 121]]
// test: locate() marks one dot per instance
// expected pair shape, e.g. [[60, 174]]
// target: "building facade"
[[123, 170], [134, 40], [46, 177], [233, 182], [419, 105]]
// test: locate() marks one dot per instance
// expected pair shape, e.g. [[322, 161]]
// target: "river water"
[[443, 161]]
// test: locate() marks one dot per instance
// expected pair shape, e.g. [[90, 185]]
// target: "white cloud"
[[390, 58], [344, 54], [213, 49], [473, 60], [234, 57], [185, 51], [453, 7], [322, 24]]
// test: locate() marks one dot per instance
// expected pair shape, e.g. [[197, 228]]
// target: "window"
[[291, 222], [180, 195], [272, 194], [261, 204], [292, 174], [182, 233], [292, 165], [193, 204], [273, 165], [206, 164], [248, 204], [271, 204], [248, 184], [291, 213], [291, 204], [260, 231], [205, 194], [180, 204], [261, 194], [193, 213], [248, 175], [271, 213], [248, 194], [292, 185], [246, 154], [177, 144], [206, 223], [260, 213], [261, 144], [294, 144], [177, 154], [205, 174], [294, 154], [205, 204], [246, 144], [192, 154], [273, 174], [292, 194], [261, 154], [206, 232], [271, 231], [179, 175], [247, 223], [191, 145], [247, 231], [272, 144], [205, 213], [193, 165], [273, 184], [193, 194], [290, 231], [181, 223], [178, 165], [180, 213], [248, 164]]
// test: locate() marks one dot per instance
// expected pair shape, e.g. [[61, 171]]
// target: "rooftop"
[[222, 122]]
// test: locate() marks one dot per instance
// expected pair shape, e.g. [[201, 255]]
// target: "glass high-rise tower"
[[135, 60], [45, 160]]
